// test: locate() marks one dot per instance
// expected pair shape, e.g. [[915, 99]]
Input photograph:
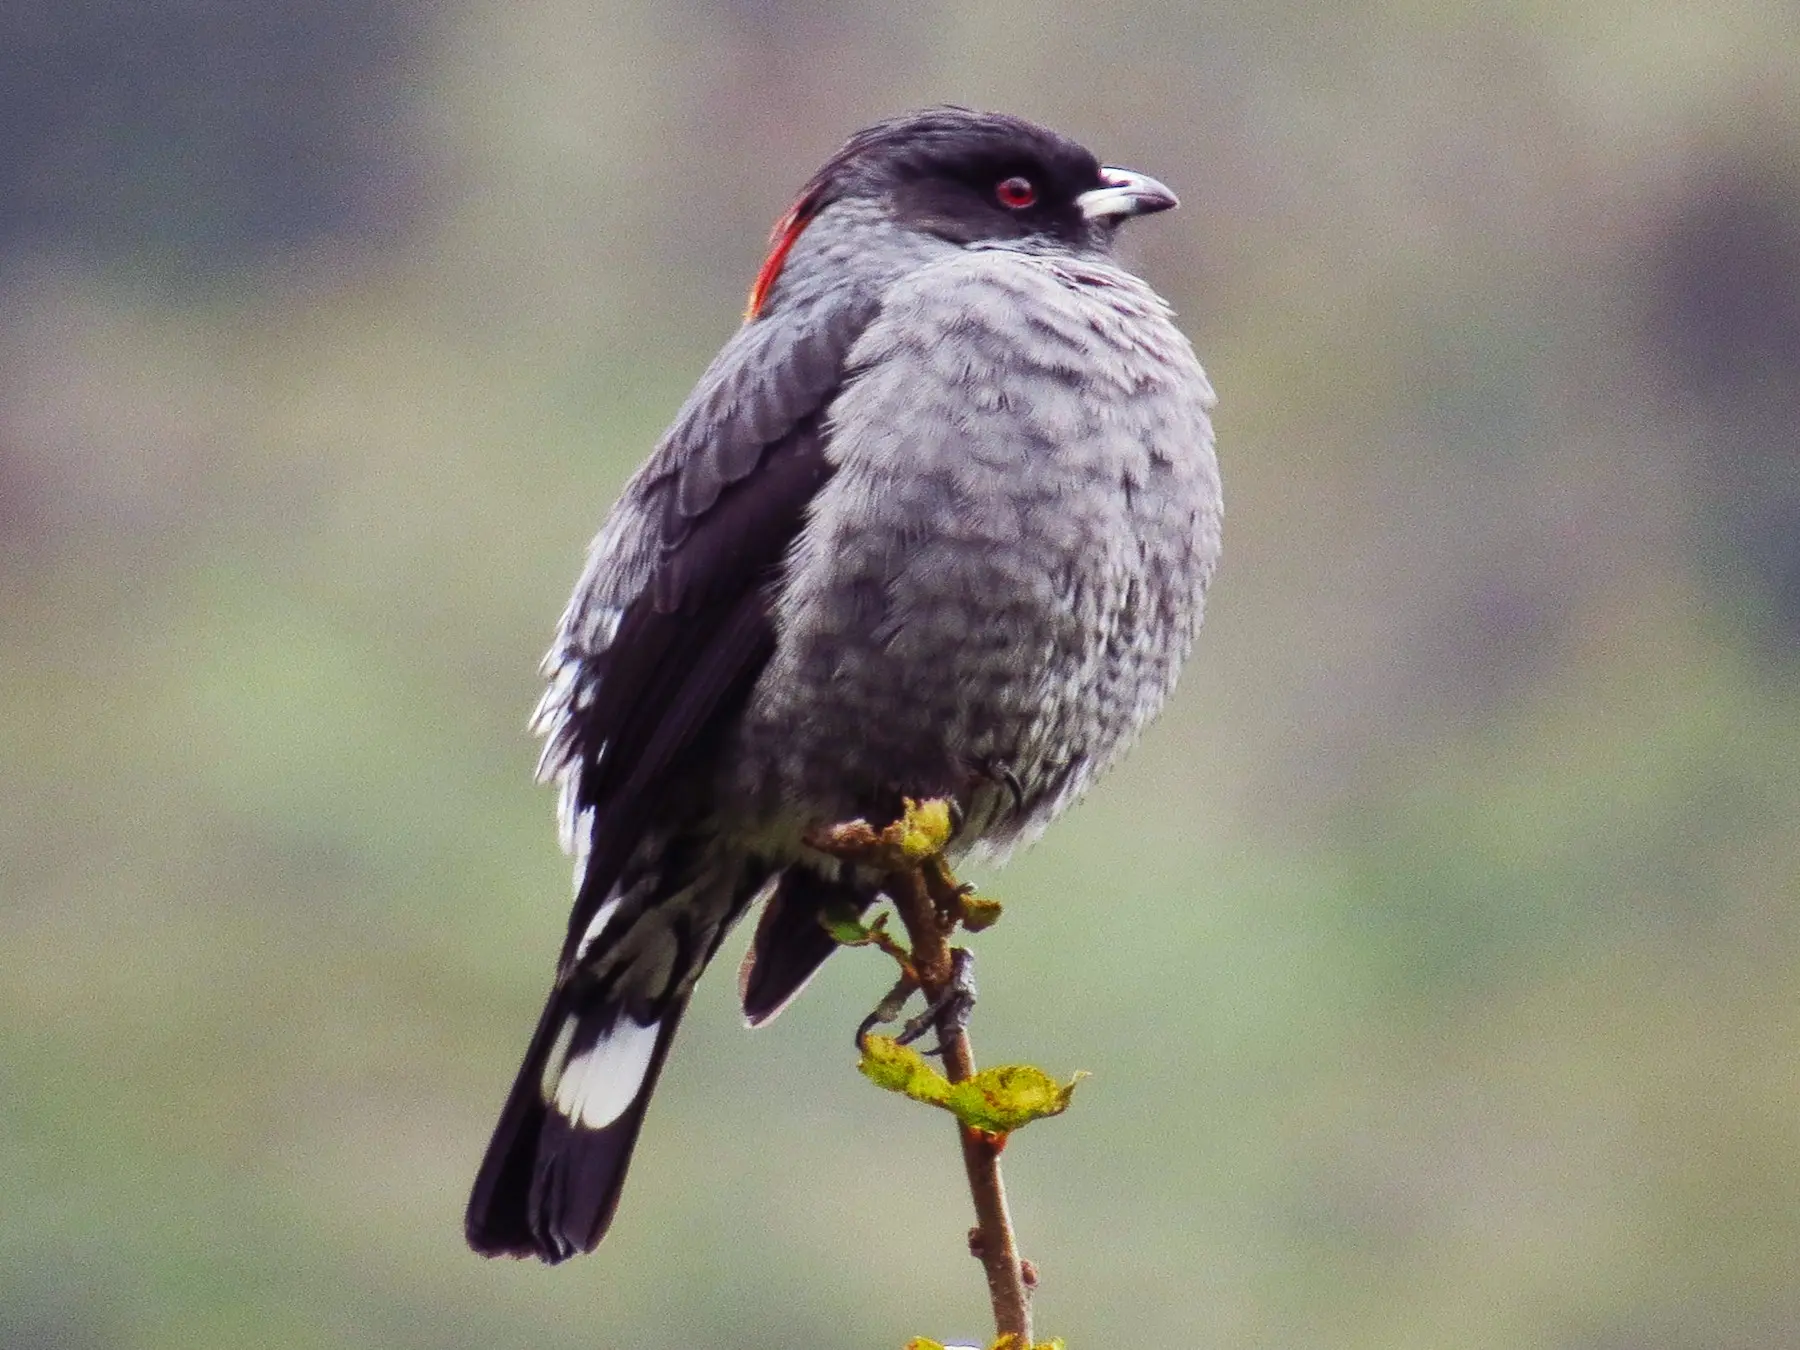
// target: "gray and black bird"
[[937, 522]]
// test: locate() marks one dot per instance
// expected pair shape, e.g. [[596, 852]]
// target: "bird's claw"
[[958, 816], [949, 1012], [888, 1010], [1014, 787]]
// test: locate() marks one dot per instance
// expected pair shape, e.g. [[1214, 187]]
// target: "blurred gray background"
[[1437, 955]]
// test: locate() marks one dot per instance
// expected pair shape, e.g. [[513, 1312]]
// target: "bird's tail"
[[551, 1179]]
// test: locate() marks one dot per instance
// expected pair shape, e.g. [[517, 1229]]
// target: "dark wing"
[[685, 655], [667, 631], [670, 624], [791, 943]]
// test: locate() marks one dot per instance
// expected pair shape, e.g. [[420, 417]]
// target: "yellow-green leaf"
[[899, 1068], [1003, 1099], [1007, 1340], [923, 830], [845, 925], [978, 914], [996, 1101]]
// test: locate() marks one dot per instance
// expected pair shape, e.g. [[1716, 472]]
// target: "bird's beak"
[[1126, 194]]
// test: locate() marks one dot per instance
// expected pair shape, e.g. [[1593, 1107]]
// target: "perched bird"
[[937, 522]]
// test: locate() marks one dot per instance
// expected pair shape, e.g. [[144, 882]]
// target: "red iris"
[[1015, 194]]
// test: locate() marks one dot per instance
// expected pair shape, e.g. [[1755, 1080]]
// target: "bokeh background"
[[1436, 957]]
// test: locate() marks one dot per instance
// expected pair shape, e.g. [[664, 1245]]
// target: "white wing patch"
[[561, 673], [553, 718], [597, 925], [576, 829], [553, 1062], [601, 628], [597, 1087], [571, 693]]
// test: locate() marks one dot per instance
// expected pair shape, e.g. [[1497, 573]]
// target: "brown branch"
[[929, 912], [931, 903]]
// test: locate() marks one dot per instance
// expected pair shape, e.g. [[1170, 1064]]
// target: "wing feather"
[[672, 620]]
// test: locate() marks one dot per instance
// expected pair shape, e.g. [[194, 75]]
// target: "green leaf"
[[845, 925], [899, 1068], [923, 831], [995, 1101], [1003, 1099]]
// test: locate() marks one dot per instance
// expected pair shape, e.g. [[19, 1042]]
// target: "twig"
[[931, 903], [930, 915]]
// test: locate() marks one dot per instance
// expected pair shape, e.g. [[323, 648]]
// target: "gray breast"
[[1008, 566]]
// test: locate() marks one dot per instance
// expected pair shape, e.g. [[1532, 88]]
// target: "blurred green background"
[[1436, 956]]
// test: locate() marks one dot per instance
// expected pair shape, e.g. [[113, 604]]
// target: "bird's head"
[[972, 178]]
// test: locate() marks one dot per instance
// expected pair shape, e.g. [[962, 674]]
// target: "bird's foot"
[[888, 1010], [1000, 774], [948, 1014]]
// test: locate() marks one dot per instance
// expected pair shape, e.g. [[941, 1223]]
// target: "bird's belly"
[[960, 665], [1007, 564]]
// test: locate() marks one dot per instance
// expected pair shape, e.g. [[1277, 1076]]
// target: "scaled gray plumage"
[[938, 521]]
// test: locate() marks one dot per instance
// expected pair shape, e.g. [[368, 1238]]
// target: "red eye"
[[1015, 194]]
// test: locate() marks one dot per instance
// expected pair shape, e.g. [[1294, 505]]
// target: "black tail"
[[551, 1179]]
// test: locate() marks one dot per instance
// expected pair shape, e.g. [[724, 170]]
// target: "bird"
[[937, 522]]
